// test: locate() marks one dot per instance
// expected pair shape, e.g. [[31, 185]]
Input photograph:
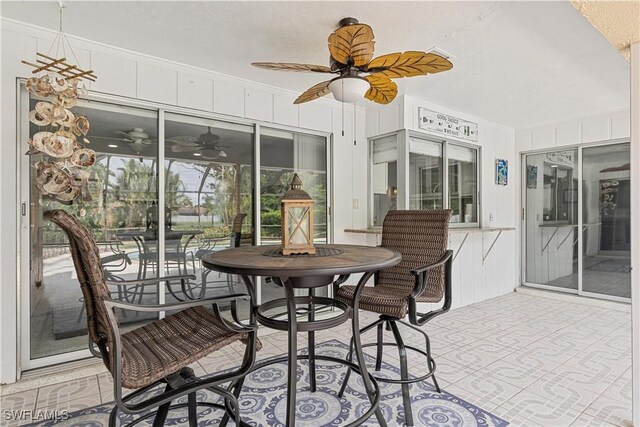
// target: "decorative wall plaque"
[[444, 124]]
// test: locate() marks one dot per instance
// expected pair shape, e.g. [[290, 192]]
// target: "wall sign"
[[444, 124]]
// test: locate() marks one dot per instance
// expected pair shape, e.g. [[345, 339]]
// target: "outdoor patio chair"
[[423, 276], [158, 353], [209, 245]]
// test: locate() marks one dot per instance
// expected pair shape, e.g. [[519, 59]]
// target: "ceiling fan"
[[358, 73], [206, 145], [137, 139]]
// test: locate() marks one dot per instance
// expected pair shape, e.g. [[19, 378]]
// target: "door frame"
[[523, 232]]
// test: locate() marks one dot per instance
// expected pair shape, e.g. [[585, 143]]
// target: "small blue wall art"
[[502, 172]]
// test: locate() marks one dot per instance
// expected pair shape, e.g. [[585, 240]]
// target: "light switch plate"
[[356, 203]]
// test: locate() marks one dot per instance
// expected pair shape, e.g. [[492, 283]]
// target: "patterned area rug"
[[263, 401]]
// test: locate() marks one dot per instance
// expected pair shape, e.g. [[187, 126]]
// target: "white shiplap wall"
[[557, 259], [474, 280], [138, 76]]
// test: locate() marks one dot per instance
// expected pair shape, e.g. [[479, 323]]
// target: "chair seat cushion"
[[378, 300], [164, 346]]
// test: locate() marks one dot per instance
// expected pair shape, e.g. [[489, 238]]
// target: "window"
[[425, 175], [384, 177], [427, 172], [438, 175], [463, 183]]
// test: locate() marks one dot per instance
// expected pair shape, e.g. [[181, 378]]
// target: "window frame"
[[403, 161]]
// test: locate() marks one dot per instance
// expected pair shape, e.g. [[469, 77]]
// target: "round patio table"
[[308, 272], [142, 238]]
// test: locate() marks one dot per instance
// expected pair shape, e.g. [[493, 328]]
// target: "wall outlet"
[[356, 203], [491, 217]]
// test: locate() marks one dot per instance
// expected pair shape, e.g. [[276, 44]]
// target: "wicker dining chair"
[[423, 276], [158, 353]]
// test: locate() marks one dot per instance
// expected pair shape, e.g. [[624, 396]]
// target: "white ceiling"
[[515, 63]]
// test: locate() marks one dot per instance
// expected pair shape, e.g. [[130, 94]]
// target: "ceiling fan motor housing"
[[347, 21]]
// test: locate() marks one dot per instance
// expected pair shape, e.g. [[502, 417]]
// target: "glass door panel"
[[551, 219], [208, 198], [606, 220], [282, 154], [122, 186]]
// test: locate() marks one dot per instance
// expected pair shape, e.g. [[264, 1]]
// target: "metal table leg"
[[292, 363], [312, 345], [357, 342]]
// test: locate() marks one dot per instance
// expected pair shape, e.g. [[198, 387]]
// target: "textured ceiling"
[[516, 63], [618, 21]]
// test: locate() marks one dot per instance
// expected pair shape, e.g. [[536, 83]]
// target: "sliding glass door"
[[551, 221], [166, 189], [576, 220], [283, 153], [122, 187], [606, 223]]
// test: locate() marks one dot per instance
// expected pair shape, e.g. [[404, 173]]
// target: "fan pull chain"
[[355, 125], [342, 90]]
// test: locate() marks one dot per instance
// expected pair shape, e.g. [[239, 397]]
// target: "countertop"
[[378, 230]]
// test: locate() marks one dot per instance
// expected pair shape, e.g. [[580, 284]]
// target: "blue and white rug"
[[263, 401]]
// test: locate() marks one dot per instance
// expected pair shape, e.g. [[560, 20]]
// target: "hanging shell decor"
[[62, 139]]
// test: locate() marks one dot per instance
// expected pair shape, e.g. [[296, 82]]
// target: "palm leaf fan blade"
[[409, 64], [382, 90], [352, 45], [314, 92], [184, 148], [291, 66]]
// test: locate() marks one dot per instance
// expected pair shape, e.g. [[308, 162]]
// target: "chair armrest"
[[153, 281], [115, 257], [174, 306], [422, 273], [422, 277]]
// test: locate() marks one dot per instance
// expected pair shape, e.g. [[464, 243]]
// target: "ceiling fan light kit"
[[349, 88], [360, 75]]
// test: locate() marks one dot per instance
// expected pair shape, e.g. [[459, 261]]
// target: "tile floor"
[[533, 360]]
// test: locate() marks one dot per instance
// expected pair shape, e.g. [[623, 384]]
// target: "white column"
[[635, 229]]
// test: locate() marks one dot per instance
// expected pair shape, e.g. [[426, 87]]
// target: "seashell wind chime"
[[64, 176]]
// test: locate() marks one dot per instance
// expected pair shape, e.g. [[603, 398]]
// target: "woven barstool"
[[423, 276], [158, 353]]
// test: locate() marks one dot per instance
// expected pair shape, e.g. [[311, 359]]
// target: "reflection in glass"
[[384, 177], [463, 183], [425, 175], [281, 155], [606, 220], [551, 219], [122, 185], [208, 197]]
